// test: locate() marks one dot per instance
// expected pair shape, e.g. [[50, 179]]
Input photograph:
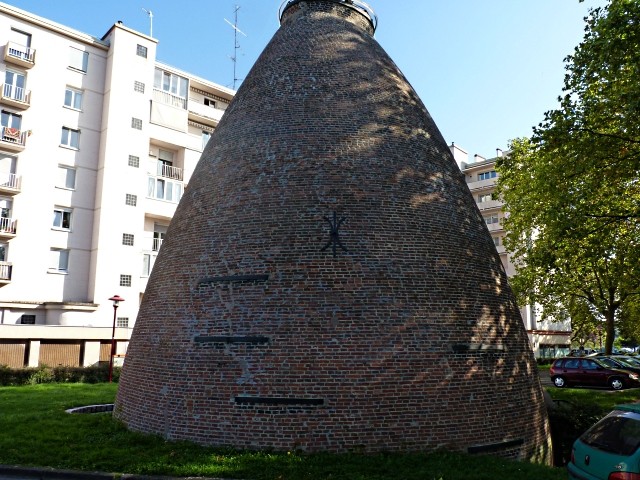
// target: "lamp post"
[[116, 299]]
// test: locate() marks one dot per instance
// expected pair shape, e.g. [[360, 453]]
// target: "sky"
[[486, 70]]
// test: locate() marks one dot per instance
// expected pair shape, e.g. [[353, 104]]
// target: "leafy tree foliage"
[[572, 190]]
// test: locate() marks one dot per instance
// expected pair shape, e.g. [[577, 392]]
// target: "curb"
[[35, 473]]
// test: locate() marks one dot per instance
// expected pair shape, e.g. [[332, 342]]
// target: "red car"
[[590, 372]]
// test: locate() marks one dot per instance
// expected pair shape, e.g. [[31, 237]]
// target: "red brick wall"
[[251, 335]]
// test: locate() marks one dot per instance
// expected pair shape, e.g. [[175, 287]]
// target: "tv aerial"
[[150, 13], [236, 44]]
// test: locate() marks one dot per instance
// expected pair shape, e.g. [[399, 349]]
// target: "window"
[[170, 83], [122, 322], [147, 264], [127, 239], [138, 87], [205, 138], [14, 85], [131, 200], [125, 280], [141, 51], [66, 177], [28, 320], [62, 218], [11, 125], [59, 260], [491, 219], [78, 59], [496, 241], [487, 175], [210, 103], [70, 138], [73, 98], [20, 45], [134, 161], [136, 123], [158, 238], [163, 189], [485, 197]]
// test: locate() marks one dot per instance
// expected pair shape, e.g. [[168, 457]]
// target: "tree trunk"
[[610, 330]]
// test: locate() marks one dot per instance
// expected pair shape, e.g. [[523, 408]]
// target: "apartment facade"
[[548, 339], [97, 144]]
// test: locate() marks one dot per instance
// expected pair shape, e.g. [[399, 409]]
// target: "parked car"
[[621, 361], [590, 372], [609, 449], [581, 352]]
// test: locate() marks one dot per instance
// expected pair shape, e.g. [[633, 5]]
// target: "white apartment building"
[[548, 339], [97, 144]]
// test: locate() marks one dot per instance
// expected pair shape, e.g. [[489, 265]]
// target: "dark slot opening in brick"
[[241, 400], [229, 339]]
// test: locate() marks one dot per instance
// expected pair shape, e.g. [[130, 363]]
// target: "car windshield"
[[616, 433], [607, 362], [632, 362]]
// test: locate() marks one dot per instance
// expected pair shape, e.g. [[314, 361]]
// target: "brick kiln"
[[327, 282]]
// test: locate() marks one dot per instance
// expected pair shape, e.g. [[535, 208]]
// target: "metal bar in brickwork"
[[248, 400], [476, 348], [234, 279], [495, 446], [230, 339]]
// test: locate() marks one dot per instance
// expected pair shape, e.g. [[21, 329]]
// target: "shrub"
[[568, 422], [60, 374]]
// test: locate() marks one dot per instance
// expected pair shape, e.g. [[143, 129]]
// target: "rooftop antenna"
[[236, 45], [150, 13]]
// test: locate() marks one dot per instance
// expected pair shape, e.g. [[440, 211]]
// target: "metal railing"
[[5, 270], [157, 243], [9, 180], [7, 225], [169, 99], [358, 5], [16, 93], [13, 135], [20, 51], [169, 171]]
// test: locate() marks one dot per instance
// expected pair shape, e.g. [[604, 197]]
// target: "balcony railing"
[[5, 271], [205, 111], [157, 243], [14, 136], [7, 225], [169, 171], [164, 189], [17, 94], [9, 181], [169, 99], [15, 51]]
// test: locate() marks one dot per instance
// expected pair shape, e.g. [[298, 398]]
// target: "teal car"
[[609, 449]]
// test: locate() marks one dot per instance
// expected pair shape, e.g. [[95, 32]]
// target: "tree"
[[572, 190]]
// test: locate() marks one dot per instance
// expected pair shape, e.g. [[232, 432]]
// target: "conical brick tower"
[[327, 282]]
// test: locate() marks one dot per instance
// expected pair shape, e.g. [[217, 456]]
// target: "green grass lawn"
[[36, 431]]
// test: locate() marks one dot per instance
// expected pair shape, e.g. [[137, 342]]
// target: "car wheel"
[[559, 382], [616, 384]]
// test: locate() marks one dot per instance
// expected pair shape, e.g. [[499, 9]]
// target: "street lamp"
[[116, 299]]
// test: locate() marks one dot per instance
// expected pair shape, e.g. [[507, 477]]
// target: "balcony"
[[482, 184], [157, 243], [13, 139], [5, 272], [169, 171], [489, 204], [167, 98], [15, 96], [10, 183], [204, 113], [7, 227], [19, 55]]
